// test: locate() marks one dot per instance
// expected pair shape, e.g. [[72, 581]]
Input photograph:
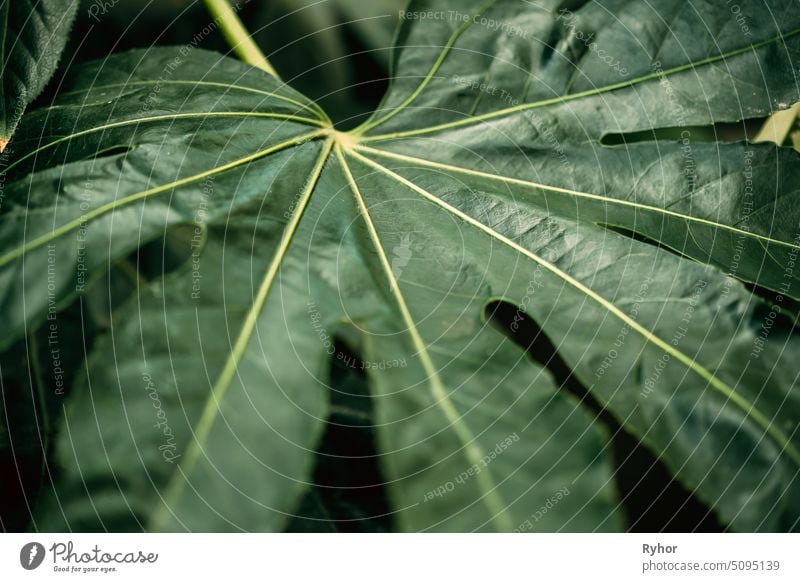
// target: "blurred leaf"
[[329, 49]]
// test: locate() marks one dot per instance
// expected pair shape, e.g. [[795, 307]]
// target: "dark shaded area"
[[21, 463], [651, 498], [110, 152], [37, 373], [786, 309], [721, 132], [572, 5], [639, 237], [348, 493], [165, 254], [562, 40]]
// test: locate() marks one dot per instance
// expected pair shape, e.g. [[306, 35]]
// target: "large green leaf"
[[32, 35], [490, 173]]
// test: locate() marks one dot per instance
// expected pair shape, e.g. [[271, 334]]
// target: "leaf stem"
[[237, 36]]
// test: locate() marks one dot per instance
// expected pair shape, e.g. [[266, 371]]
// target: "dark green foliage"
[[211, 397]]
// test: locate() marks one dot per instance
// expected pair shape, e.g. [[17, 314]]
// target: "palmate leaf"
[[201, 406], [32, 36]]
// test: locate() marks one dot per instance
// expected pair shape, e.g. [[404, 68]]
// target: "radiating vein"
[[177, 482], [115, 204], [575, 193], [489, 493], [574, 96], [167, 117], [748, 408], [370, 124], [227, 86]]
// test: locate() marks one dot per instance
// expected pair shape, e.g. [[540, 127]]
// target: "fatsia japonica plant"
[[212, 297]]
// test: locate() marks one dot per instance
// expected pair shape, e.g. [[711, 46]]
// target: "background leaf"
[[32, 37]]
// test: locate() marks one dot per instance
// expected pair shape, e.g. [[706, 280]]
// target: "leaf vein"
[[787, 447]]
